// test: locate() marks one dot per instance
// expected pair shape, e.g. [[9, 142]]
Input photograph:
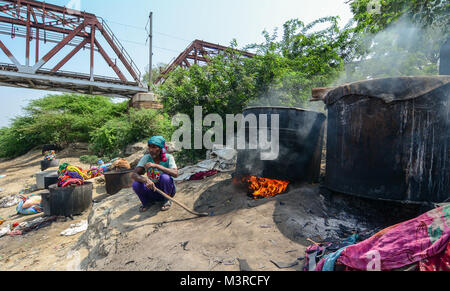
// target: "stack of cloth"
[[50, 156], [93, 172], [115, 165], [70, 175]]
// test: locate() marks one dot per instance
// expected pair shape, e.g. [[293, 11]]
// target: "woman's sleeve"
[[172, 164]]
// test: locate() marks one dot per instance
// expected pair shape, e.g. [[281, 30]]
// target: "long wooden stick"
[[181, 204]]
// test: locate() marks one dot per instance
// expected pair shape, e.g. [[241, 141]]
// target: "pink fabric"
[[202, 175], [402, 244], [440, 262]]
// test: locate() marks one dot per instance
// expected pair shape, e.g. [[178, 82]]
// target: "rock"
[[243, 265], [135, 148], [134, 159], [79, 146], [171, 148], [282, 265]]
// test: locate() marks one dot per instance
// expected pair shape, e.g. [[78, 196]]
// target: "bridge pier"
[[145, 100]]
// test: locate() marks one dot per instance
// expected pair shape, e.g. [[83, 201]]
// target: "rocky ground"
[[241, 233]]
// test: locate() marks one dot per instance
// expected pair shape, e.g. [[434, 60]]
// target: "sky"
[[176, 23]]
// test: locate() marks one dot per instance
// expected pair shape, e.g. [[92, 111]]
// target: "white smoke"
[[402, 49]]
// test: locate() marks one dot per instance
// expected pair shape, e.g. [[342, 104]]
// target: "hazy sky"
[[176, 23]]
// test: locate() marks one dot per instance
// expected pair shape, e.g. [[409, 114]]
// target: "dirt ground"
[[241, 230], [241, 233]]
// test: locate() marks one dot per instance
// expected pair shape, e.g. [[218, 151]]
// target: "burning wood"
[[264, 187]]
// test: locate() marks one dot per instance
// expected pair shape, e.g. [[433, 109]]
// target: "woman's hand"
[[151, 165], [150, 185]]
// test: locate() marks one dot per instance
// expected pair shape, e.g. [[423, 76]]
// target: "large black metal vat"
[[300, 146], [45, 164], [67, 201], [50, 179], [390, 139], [117, 180]]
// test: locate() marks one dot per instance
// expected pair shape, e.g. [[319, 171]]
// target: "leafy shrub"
[[138, 125]]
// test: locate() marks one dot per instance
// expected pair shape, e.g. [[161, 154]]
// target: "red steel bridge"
[[42, 24], [198, 52]]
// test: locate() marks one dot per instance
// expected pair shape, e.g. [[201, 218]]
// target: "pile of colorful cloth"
[[421, 244], [93, 172], [114, 164], [70, 175], [50, 156]]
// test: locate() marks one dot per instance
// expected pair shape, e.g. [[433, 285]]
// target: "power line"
[[145, 29], [143, 44]]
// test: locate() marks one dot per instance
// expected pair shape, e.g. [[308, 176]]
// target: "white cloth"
[[219, 159], [75, 228], [9, 201]]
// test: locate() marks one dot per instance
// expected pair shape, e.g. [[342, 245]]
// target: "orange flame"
[[264, 187]]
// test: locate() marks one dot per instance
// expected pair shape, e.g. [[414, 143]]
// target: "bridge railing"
[[121, 48]]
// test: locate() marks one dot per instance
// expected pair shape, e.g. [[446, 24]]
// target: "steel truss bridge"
[[39, 23]]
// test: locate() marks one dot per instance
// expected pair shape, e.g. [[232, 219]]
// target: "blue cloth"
[[331, 258], [157, 141]]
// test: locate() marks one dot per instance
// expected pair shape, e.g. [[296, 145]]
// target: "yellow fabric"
[[76, 169]]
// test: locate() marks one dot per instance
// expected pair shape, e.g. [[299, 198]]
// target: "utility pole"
[[150, 36]]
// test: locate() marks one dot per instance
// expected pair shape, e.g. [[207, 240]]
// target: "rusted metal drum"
[[118, 180], [390, 139], [50, 179], [67, 201], [40, 178], [48, 164], [300, 146]]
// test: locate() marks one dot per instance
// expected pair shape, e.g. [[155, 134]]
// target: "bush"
[[57, 119], [89, 159], [112, 138]]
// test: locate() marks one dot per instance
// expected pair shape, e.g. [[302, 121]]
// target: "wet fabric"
[[313, 254], [34, 209], [93, 172], [402, 244], [440, 262], [146, 196], [202, 175], [71, 175], [327, 263], [50, 156]]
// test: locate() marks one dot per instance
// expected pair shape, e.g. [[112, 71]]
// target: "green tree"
[[425, 13]]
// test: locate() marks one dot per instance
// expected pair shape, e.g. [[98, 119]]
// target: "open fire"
[[263, 187]]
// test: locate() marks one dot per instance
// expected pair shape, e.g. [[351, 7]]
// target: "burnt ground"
[[243, 233]]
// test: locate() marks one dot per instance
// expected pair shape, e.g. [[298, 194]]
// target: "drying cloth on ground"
[[36, 224], [402, 244], [202, 175], [221, 160], [313, 254], [10, 201], [93, 172], [75, 228], [327, 263], [30, 205]]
